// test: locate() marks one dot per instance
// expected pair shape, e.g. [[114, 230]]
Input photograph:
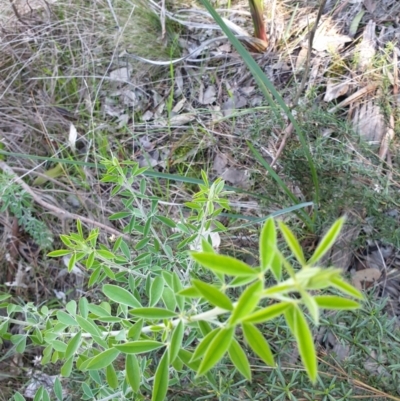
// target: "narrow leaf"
[[204, 344], [335, 302], [239, 359], [153, 313], [311, 306], [258, 343], [138, 347], [327, 241], [345, 287], [213, 295], [268, 313], [223, 264], [132, 371], [73, 345], [156, 290], [216, 350], [176, 341], [160, 386], [267, 244], [293, 243], [111, 376]]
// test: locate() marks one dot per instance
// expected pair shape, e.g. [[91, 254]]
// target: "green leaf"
[[103, 359], [66, 369], [153, 313], [267, 244], [276, 266], [258, 343], [176, 341], [156, 290], [239, 359], [346, 288], [133, 372], [292, 242], [58, 389], [268, 313], [190, 292], [111, 376], [166, 221], [213, 295], [54, 172], [305, 344], [311, 306], [216, 350], [160, 386], [73, 345], [327, 241], [120, 295], [247, 302], [138, 347], [223, 264], [206, 246], [204, 343], [58, 253], [335, 302], [89, 326], [19, 397], [135, 330]]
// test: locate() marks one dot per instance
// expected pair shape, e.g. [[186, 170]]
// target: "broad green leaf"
[[345, 287], [258, 343], [204, 327], [66, 369], [247, 302], [239, 359], [216, 350], [133, 372], [73, 345], [19, 397], [305, 344], [327, 241], [267, 244], [206, 246], [111, 376], [204, 344], [153, 313], [335, 302], [176, 341], [156, 290], [290, 318], [103, 359], [268, 313], [187, 358], [311, 306], [59, 346], [293, 243], [135, 330], [160, 386], [138, 347], [213, 295], [223, 264], [120, 295], [89, 326], [98, 311]]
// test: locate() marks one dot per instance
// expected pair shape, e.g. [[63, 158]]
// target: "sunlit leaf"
[[293, 243], [258, 343], [268, 313], [223, 264], [160, 386], [267, 244], [176, 340], [345, 287], [305, 344], [327, 241], [111, 376], [156, 290], [247, 302], [73, 345], [204, 344], [213, 295], [311, 306], [137, 347], [334, 302], [239, 359], [153, 313], [103, 359], [216, 350]]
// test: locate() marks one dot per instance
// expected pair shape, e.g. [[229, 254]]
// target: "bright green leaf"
[[311, 306], [293, 243], [335, 302], [133, 372], [73, 345], [213, 295], [156, 290], [267, 244], [153, 313], [66, 369], [268, 313], [111, 376], [190, 292], [345, 287], [258, 343], [223, 264], [239, 359], [204, 343], [327, 241], [216, 350], [176, 341]]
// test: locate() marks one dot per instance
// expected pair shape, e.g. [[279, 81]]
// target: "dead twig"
[[60, 213]]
